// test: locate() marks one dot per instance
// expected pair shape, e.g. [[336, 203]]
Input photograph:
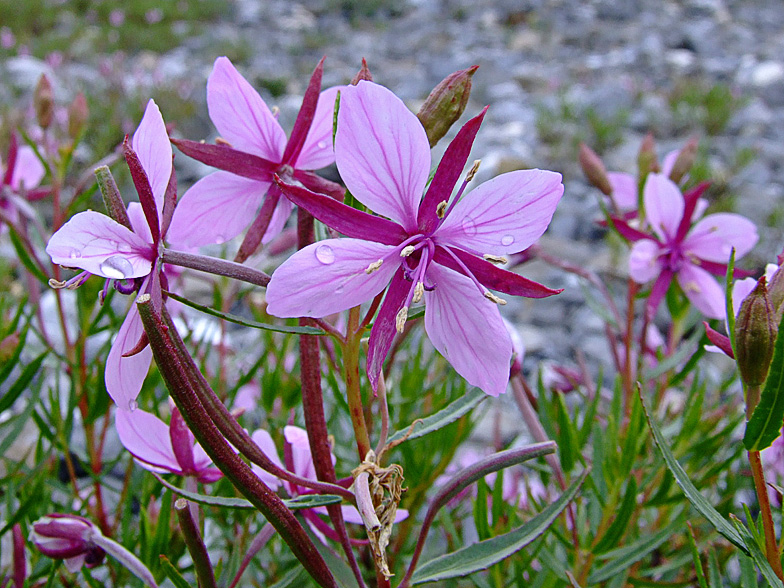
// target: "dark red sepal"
[[307, 113], [143, 189], [229, 159]]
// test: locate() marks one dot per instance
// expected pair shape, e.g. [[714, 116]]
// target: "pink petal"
[[28, 171], [702, 290], [663, 205], [467, 330], [741, 289], [124, 376], [151, 143], [382, 152], [92, 241], [240, 115], [264, 440], [279, 217], [713, 237], [139, 221], [318, 151], [504, 215], [147, 438], [300, 451], [643, 261], [669, 161], [329, 276], [215, 209], [624, 190]]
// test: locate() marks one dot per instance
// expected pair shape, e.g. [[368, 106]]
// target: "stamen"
[[495, 258], [419, 291], [441, 209], [401, 318], [71, 284], [222, 141], [473, 170], [468, 273], [56, 284], [407, 250], [275, 111], [494, 298], [374, 266]]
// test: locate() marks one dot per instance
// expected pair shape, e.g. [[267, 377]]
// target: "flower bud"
[[78, 114], [362, 74], [684, 161], [594, 169], [776, 291], [68, 537], [755, 335], [446, 104], [646, 158], [43, 101]]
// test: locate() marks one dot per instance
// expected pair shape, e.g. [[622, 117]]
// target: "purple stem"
[[213, 265], [195, 544]]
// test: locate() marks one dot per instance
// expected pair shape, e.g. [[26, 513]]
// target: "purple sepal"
[[228, 159]]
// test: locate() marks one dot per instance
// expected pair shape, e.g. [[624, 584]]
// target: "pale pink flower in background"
[[677, 249], [101, 246], [433, 248], [163, 448], [221, 205], [20, 173]]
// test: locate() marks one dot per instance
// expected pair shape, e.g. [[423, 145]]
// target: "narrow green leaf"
[[26, 259], [756, 554], [13, 361], [173, 573], [442, 418], [729, 311], [480, 511], [482, 555], [764, 426], [567, 438], [232, 318], [748, 573], [695, 554], [634, 553], [692, 494], [304, 501], [294, 577], [618, 526], [22, 383]]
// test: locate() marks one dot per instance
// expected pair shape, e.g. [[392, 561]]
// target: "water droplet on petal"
[[123, 247], [220, 239], [133, 405], [469, 227], [75, 254], [321, 145], [116, 267], [325, 254], [507, 240], [339, 289]]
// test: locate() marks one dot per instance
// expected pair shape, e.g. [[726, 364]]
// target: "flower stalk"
[[195, 544]]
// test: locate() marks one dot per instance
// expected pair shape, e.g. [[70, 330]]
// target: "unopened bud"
[[776, 291], [78, 113], [67, 537], [646, 158], [755, 335], [43, 101], [446, 104], [362, 74], [684, 161], [594, 169]]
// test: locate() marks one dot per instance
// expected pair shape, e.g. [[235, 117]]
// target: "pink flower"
[[21, 172], [221, 205], [68, 537], [625, 186], [164, 448], [431, 249], [300, 461], [676, 249], [128, 258]]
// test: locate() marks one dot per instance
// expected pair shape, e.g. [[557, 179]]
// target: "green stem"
[[771, 546]]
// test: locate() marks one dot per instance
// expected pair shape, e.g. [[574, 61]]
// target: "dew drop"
[[469, 227], [75, 254], [325, 254], [133, 405], [116, 267], [507, 240], [321, 145], [123, 247], [220, 239]]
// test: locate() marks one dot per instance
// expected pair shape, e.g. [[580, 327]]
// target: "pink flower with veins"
[[127, 258], [163, 448], [221, 205], [300, 462], [433, 248], [677, 249]]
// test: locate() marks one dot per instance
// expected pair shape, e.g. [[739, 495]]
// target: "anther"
[[494, 298], [495, 258], [374, 266], [473, 170], [419, 291], [441, 209], [57, 285], [401, 318], [222, 141], [407, 250]]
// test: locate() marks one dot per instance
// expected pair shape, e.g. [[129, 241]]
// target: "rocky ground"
[[554, 72]]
